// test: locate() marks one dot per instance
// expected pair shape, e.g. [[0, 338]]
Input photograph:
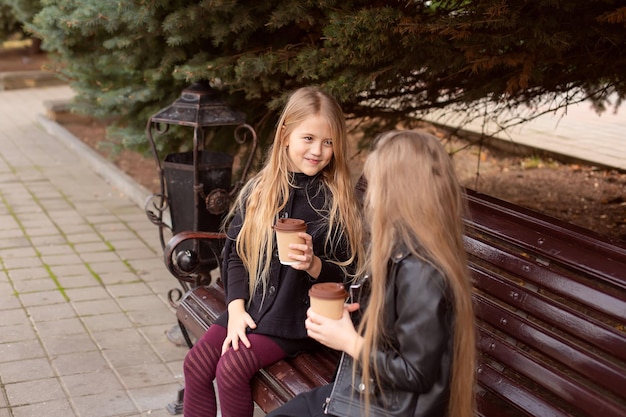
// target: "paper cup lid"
[[290, 225], [328, 291]]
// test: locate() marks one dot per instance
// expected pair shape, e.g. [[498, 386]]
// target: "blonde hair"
[[266, 194], [413, 198]]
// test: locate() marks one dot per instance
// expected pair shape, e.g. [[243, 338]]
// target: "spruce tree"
[[397, 59], [9, 25], [15, 13], [24, 11]]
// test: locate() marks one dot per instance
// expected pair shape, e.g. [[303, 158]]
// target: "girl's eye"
[[308, 138], [328, 142]]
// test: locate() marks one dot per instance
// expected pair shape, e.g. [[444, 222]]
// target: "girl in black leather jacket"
[[413, 353]]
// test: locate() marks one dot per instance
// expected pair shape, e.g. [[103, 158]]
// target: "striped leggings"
[[232, 372]]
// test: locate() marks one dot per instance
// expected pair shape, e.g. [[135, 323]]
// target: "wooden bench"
[[551, 313]]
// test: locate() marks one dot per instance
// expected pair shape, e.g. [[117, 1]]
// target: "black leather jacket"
[[415, 362]]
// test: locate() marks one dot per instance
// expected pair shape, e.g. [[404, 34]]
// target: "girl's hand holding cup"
[[336, 334], [291, 232], [303, 254], [295, 246]]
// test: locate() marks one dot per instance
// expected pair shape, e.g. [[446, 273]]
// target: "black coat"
[[415, 363], [282, 312]]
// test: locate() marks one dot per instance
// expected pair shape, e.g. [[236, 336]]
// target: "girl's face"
[[310, 146]]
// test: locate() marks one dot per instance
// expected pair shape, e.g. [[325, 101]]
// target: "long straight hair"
[[413, 198], [266, 194]]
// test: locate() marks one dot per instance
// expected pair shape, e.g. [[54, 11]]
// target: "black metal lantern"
[[196, 187]]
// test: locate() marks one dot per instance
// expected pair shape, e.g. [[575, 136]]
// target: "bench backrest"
[[551, 310]]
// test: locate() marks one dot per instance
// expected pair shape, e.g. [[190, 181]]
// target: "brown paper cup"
[[327, 299], [287, 232]]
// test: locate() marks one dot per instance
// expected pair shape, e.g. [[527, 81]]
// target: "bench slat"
[[524, 401], [288, 377], [597, 255], [596, 333], [589, 365], [266, 394], [318, 368], [559, 384], [559, 283], [201, 307]]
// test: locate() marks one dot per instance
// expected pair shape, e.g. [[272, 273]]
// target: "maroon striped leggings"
[[232, 372]]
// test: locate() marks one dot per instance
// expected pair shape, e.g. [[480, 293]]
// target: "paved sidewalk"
[[83, 309], [578, 135]]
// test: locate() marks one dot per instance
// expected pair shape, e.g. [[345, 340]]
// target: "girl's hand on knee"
[[238, 323]]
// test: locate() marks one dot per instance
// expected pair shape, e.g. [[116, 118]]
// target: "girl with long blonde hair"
[[306, 176], [413, 353]]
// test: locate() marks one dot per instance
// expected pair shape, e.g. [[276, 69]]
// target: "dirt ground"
[[580, 194]]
